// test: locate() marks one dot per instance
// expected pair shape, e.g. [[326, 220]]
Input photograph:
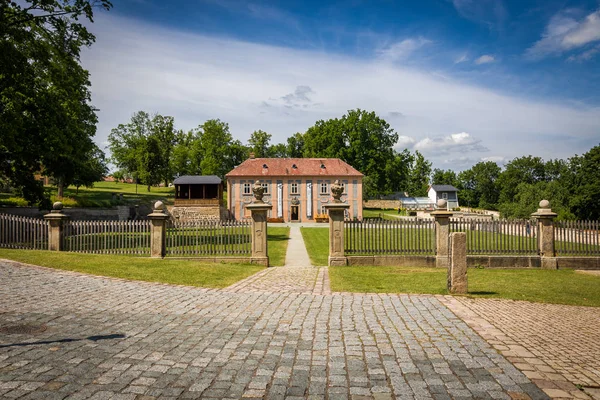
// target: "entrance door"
[[295, 213]]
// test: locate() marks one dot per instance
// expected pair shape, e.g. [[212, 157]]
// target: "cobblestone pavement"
[[115, 339], [313, 280], [556, 346]]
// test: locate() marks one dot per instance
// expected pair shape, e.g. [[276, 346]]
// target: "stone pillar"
[[336, 233], [260, 253], [457, 273], [442, 234], [545, 218], [158, 232], [258, 210], [56, 219]]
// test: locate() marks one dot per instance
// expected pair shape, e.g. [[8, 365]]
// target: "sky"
[[462, 81]]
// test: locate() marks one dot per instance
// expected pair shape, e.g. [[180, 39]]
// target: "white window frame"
[[246, 188], [266, 186], [294, 188], [323, 188]]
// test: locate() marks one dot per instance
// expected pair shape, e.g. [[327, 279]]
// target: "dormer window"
[[294, 166], [265, 166], [322, 165]]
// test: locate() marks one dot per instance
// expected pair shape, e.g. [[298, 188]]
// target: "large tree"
[[259, 143], [419, 175], [214, 152], [479, 186], [46, 119], [143, 148], [584, 184], [360, 138]]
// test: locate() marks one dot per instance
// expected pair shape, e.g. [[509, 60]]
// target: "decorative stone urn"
[[336, 191], [258, 192]]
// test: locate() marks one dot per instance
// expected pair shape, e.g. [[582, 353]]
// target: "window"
[[445, 196], [323, 188], [266, 186], [246, 188], [343, 187], [294, 188]]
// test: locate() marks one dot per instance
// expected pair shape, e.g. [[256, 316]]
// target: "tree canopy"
[[46, 119]]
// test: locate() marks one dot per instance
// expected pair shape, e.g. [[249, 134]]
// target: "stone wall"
[[381, 204], [121, 213], [196, 213]]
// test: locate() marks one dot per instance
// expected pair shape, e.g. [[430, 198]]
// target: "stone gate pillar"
[[545, 218], [258, 210], [457, 272], [442, 234], [56, 220], [336, 210], [158, 231]]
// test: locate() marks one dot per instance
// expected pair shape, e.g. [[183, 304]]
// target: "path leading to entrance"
[[69, 335], [296, 255], [297, 276]]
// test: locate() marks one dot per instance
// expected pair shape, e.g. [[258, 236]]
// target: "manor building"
[[298, 188]]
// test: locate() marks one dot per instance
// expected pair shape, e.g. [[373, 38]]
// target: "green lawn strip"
[[278, 238], [316, 241], [391, 214], [560, 287], [180, 272]]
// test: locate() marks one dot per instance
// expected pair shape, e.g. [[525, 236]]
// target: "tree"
[[585, 184], [419, 175], [295, 145], [526, 169], [214, 151], [93, 169], [259, 143], [479, 185], [181, 163], [360, 138], [46, 119], [444, 177], [278, 150], [144, 147]]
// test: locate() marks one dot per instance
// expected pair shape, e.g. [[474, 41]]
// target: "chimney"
[[251, 155]]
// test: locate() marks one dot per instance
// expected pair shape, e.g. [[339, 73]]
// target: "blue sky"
[[460, 80]]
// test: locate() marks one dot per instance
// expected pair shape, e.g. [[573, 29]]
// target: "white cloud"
[[489, 12], [485, 59], [456, 142], [403, 49], [193, 78], [564, 33], [405, 142], [584, 56], [461, 59]]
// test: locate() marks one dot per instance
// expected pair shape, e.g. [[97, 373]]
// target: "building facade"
[[298, 188], [446, 192]]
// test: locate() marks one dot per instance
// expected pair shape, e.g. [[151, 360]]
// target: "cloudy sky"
[[459, 80]]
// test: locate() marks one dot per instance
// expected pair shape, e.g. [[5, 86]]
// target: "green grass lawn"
[[278, 238], [100, 195], [560, 287], [316, 241], [180, 272]]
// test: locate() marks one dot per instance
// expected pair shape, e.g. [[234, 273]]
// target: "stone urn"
[[336, 191], [259, 191]]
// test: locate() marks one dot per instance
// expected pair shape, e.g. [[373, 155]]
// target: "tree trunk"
[[60, 188], [148, 187]]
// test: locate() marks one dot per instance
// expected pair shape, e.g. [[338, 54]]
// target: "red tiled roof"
[[284, 167]]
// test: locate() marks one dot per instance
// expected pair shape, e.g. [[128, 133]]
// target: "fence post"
[[258, 210], [56, 219], [457, 273], [442, 234], [158, 232], [336, 210], [545, 218]]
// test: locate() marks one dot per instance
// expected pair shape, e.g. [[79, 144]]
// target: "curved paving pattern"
[[109, 338], [556, 346]]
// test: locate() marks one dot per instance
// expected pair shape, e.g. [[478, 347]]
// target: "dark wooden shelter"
[[198, 190]]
